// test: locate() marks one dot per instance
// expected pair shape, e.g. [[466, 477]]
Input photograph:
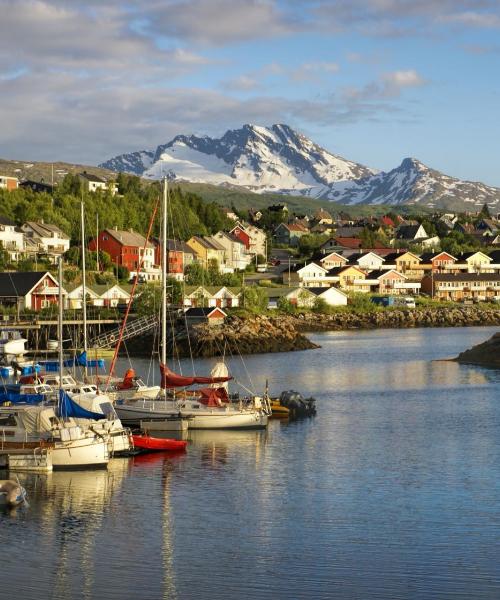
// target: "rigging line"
[[136, 280], [244, 366]]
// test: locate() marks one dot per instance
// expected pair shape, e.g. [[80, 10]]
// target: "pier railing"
[[132, 329]]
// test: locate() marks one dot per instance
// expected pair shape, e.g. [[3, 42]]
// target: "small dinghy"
[[11, 493], [146, 443]]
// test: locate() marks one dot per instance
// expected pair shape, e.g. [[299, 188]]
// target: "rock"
[[486, 354]]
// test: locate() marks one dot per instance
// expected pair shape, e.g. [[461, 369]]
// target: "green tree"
[[285, 306], [254, 299]]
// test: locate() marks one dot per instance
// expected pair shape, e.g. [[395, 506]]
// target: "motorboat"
[[72, 446], [12, 345], [130, 387]]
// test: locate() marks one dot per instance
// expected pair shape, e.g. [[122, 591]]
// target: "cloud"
[[474, 19], [387, 86], [218, 22]]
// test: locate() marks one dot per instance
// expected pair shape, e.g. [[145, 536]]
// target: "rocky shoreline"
[[486, 354], [284, 333]]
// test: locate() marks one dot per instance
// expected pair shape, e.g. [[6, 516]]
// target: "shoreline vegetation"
[[246, 333]]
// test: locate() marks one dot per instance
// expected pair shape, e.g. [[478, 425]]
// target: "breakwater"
[[254, 334]]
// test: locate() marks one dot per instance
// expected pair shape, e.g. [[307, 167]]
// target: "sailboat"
[[205, 407], [54, 427]]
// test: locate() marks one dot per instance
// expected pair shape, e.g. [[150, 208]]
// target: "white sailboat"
[[205, 408]]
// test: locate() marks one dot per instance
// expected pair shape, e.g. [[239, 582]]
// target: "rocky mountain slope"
[[278, 159]]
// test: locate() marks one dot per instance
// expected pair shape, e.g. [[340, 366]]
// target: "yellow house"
[[351, 278], [474, 262], [406, 263], [206, 250]]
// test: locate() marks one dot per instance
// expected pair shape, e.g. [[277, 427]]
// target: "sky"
[[374, 81]]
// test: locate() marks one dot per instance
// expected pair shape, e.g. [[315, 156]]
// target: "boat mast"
[[164, 277], [84, 287], [60, 324]]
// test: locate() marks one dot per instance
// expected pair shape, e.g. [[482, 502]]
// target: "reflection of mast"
[[169, 590]]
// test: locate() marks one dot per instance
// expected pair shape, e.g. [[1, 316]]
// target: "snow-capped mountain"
[[278, 159]]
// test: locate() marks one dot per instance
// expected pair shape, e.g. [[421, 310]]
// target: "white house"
[[236, 256], [211, 296], [298, 296], [45, 238], [11, 240], [332, 260], [310, 275], [332, 295], [368, 261]]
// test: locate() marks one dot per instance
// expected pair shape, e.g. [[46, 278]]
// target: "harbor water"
[[391, 491]]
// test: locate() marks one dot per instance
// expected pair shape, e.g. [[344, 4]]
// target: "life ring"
[[112, 337]]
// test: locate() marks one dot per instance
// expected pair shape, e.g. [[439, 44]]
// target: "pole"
[[97, 243], [60, 324], [164, 276], [84, 285]]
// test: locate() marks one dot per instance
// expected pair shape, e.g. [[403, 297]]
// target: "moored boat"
[[150, 444]]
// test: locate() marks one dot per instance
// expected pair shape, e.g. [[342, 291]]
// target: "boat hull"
[[207, 419], [152, 444], [133, 413]]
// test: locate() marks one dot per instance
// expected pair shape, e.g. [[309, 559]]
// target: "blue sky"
[[371, 80]]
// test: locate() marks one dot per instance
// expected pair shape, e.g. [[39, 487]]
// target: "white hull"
[[149, 393], [85, 452], [225, 419], [146, 410], [13, 348]]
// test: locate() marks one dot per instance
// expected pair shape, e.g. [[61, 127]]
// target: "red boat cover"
[[169, 379], [213, 396], [128, 380]]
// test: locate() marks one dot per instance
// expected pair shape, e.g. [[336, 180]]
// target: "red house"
[[126, 248], [242, 235], [29, 290]]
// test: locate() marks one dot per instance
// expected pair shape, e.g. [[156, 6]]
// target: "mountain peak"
[[280, 160]]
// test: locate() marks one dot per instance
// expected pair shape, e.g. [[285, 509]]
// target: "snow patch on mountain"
[[278, 159]]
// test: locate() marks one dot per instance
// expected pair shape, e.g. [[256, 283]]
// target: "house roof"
[[394, 255], [202, 311], [338, 270], [349, 242], [279, 292], [90, 177], [427, 257], [7, 221], [317, 291], [174, 246], [129, 238], [381, 272], [19, 284], [356, 257], [46, 229], [465, 277], [495, 256], [407, 232], [466, 255]]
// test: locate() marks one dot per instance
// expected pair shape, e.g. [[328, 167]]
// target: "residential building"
[[368, 261], [179, 256], [207, 249], [37, 186], [211, 296], [332, 295], [331, 260], [289, 233], [11, 239], [203, 315], [45, 239], [404, 262], [323, 217], [411, 233], [309, 275], [458, 287], [441, 262], [93, 183], [350, 278], [392, 282], [8, 183], [473, 262], [29, 290], [236, 256], [298, 296], [128, 249], [255, 239]]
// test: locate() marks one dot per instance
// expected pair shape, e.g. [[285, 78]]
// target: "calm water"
[[392, 491]]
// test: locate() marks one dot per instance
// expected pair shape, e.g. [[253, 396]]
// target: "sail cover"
[[69, 408], [169, 379]]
